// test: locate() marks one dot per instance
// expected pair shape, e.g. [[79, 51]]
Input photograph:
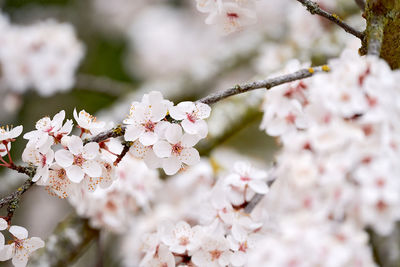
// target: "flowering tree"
[[154, 175]]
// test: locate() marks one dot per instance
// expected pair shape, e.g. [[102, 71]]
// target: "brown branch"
[[313, 8], [267, 84]]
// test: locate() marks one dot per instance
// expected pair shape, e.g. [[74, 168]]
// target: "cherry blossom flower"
[[246, 175], [88, 123], [192, 116], [41, 161], [58, 183], [79, 160], [213, 251], [179, 238], [21, 247], [144, 121], [232, 17], [161, 257], [178, 150], [49, 132]]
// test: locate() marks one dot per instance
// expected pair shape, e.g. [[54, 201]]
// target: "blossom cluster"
[[231, 15], [43, 56], [221, 235], [20, 247], [163, 135]]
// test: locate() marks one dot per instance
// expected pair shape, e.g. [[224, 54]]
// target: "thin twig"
[[256, 199], [313, 8], [268, 83]]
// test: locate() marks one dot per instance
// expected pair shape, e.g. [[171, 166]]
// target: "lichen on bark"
[[383, 31]]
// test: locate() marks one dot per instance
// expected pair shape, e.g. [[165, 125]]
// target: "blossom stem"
[[9, 155], [313, 8]]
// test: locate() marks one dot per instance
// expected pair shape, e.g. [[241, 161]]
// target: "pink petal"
[[162, 149], [75, 174], [189, 156], [64, 158], [171, 165], [19, 232]]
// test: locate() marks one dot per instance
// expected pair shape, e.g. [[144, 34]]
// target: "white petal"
[[15, 132], [133, 132], [64, 158], [75, 145], [3, 224], [1, 242], [91, 150], [259, 186], [76, 115], [20, 258], [151, 160], [189, 156], [34, 243], [18, 231], [190, 127], [189, 140], [7, 252], [148, 138], [173, 133], [187, 106], [155, 97], [75, 174], [58, 119], [162, 149], [92, 168], [171, 165], [203, 110], [176, 113], [158, 112], [138, 150]]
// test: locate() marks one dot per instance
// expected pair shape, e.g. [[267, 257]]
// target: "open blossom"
[[41, 160], [58, 183], [246, 175], [213, 251], [49, 132], [79, 160], [144, 121], [180, 238], [22, 246], [192, 116], [233, 16], [88, 123], [178, 150]]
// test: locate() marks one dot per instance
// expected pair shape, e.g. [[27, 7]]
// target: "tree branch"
[[313, 8], [267, 84]]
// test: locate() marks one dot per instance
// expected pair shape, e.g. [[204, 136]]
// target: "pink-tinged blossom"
[[40, 160], [58, 183], [21, 248], [245, 175], [231, 17], [79, 160], [49, 132], [88, 123], [213, 251], [161, 257], [144, 121], [179, 238], [192, 116], [177, 150]]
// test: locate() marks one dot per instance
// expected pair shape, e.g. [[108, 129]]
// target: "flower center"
[[149, 126], [79, 160], [215, 254], [177, 148], [191, 117], [183, 241], [61, 173]]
